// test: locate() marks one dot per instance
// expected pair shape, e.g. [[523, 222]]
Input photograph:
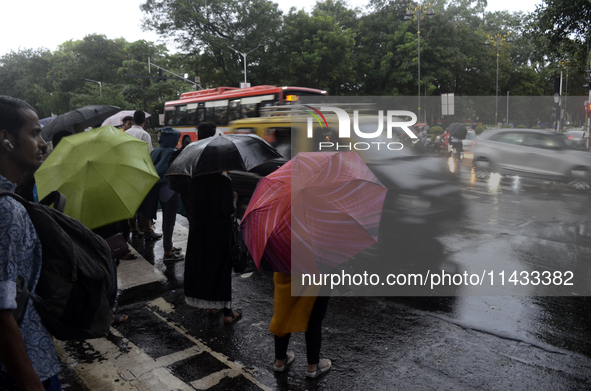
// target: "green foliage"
[[561, 29], [479, 129], [521, 126], [436, 130], [536, 127], [335, 48]]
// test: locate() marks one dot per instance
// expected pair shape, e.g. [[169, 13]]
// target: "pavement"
[[375, 343]]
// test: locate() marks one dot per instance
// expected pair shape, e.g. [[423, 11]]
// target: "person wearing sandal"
[[294, 314], [208, 265]]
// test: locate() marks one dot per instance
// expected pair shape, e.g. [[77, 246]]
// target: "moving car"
[[575, 138], [531, 153]]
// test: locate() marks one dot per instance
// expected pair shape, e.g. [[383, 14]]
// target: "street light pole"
[[508, 107], [244, 55], [498, 39], [417, 11], [99, 83]]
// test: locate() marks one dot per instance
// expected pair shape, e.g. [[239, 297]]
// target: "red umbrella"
[[320, 207]]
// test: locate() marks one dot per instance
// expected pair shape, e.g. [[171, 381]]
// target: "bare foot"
[[314, 367], [118, 319], [230, 319], [279, 363]]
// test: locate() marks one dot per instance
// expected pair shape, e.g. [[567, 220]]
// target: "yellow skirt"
[[291, 314]]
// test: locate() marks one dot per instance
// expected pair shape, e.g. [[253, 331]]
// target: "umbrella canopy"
[[85, 116], [46, 120], [457, 130], [223, 153], [320, 207], [105, 175], [117, 119]]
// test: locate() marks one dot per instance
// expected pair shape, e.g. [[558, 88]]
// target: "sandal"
[[234, 317], [213, 311], [173, 257], [118, 319], [319, 371], [153, 237], [288, 361], [176, 250]]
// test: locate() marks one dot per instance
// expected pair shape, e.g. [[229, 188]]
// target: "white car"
[[531, 153]]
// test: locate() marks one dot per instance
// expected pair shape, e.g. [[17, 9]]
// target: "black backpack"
[[78, 284]]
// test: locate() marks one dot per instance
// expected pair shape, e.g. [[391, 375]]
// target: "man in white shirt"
[[137, 129]]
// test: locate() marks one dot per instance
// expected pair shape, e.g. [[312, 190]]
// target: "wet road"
[[469, 342]]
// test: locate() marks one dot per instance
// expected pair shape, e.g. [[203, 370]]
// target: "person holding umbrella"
[[208, 266], [334, 215]]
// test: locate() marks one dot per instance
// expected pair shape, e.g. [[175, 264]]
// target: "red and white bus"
[[224, 104]]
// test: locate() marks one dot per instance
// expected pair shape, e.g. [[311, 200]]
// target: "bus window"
[[234, 110], [218, 112], [169, 118], [249, 110], [221, 115], [190, 116], [180, 114], [200, 115]]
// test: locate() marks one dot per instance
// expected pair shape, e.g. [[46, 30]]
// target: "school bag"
[[78, 282]]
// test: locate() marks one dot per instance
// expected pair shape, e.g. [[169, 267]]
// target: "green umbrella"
[[104, 173]]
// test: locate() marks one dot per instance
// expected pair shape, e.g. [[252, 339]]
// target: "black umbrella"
[[85, 116], [457, 130], [222, 153]]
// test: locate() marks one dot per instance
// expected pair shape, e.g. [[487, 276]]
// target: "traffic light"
[[160, 74]]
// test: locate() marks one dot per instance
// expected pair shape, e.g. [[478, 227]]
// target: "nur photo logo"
[[393, 119]]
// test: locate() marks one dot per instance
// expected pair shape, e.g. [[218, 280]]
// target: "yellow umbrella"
[[104, 173]]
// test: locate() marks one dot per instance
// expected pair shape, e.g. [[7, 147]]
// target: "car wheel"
[[578, 178], [482, 168], [186, 140]]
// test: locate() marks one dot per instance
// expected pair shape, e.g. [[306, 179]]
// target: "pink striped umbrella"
[[320, 207]]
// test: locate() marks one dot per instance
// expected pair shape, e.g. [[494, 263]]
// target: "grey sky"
[[42, 23]]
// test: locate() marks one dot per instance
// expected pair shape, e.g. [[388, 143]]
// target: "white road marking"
[[213, 379], [219, 356], [162, 305], [137, 369]]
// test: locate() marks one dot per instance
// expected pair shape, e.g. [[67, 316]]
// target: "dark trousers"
[[313, 335], [169, 209]]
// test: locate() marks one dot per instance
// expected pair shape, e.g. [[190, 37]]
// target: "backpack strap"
[[56, 198], [59, 200], [23, 296], [21, 300]]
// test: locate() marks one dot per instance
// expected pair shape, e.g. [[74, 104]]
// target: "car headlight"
[[412, 202]]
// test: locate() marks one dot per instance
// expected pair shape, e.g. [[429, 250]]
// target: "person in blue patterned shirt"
[[28, 359]]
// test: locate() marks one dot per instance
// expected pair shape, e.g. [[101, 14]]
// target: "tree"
[[207, 28], [23, 75], [317, 52], [560, 29]]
